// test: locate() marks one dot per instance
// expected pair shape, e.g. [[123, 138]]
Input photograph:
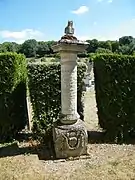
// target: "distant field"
[[50, 59], [43, 59]]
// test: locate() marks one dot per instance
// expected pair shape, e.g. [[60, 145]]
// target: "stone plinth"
[[70, 140]]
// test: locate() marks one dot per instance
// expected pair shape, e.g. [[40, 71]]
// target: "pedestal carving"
[[70, 140]]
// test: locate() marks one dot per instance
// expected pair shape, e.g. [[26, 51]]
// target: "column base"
[[69, 119], [70, 140]]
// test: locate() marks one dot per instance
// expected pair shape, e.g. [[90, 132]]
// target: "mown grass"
[[29, 168]]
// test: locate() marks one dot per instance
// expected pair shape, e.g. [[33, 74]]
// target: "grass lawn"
[[30, 168]]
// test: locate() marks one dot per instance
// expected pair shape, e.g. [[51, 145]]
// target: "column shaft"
[[69, 85]]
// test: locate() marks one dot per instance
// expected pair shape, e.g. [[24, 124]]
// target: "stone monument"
[[69, 134]]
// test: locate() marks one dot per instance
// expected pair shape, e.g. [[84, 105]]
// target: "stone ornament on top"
[[69, 35], [69, 30]]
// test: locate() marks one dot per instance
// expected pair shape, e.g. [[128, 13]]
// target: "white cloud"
[[81, 10], [21, 36], [110, 1]]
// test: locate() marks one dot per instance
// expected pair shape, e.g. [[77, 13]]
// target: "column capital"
[[70, 47]]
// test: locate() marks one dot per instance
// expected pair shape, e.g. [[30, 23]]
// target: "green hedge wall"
[[45, 93], [115, 94], [12, 94]]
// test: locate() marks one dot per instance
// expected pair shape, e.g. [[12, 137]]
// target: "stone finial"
[[69, 30], [69, 33]]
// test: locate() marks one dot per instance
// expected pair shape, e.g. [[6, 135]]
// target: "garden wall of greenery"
[[13, 75], [115, 94]]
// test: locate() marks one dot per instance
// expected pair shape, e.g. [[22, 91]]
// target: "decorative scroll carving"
[[70, 141]]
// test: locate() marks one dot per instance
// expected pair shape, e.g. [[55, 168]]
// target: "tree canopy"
[[32, 48]]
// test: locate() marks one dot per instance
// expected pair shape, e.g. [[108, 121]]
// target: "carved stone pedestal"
[[70, 140]]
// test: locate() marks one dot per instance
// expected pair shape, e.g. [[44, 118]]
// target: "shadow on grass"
[[13, 150], [44, 152], [96, 137], [100, 137]]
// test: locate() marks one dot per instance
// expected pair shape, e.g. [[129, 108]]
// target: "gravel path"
[[90, 110]]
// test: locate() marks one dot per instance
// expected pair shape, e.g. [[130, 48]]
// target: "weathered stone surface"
[[70, 140], [30, 113], [69, 87], [69, 30]]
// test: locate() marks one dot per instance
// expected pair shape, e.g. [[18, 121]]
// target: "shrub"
[[115, 94], [12, 94], [45, 93]]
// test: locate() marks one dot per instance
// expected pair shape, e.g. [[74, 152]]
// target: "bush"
[[115, 94], [12, 94], [45, 93]]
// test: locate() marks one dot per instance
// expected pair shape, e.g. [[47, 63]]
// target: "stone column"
[[70, 136]]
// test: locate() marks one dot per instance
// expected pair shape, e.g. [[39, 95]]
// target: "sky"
[[46, 19]]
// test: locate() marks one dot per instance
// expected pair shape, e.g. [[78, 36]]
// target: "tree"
[[103, 50], [132, 47], [2, 48], [93, 45], [115, 46], [9, 47], [125, 40], [105, 45], [29, 48], [42, 48], [127, 45], [50, 44]]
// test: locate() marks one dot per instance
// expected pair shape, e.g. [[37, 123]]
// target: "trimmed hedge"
[[12, 94], [115, 94], [45, 93]]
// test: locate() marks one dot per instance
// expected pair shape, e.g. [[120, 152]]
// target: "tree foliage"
[[32, 48], [103, 50]]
